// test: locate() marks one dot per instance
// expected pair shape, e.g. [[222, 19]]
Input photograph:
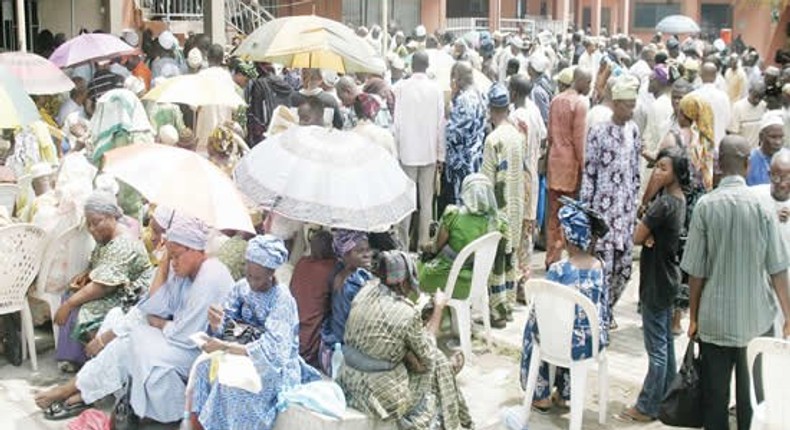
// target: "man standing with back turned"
[[733, 244]]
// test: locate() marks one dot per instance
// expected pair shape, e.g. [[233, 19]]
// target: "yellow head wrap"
[[625, 88]]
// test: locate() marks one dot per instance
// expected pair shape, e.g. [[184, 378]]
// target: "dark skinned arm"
[[696, 286]]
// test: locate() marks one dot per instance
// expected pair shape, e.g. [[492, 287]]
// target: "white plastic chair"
[[22, 247], [772, 413], [8, 195], [554, 306], [484, 250], [69, 253]]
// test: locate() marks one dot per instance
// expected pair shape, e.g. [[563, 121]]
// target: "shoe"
[[498, 323], [12, 342]]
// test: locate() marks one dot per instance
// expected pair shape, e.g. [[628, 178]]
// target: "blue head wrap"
[[189, 232], [345, 240], [498, 96], [576, 226], [266, 251]]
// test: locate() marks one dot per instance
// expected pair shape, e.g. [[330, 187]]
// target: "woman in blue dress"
[[582, 271], [267, 312]]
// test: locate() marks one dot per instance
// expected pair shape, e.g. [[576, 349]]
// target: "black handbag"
[[682, 405]]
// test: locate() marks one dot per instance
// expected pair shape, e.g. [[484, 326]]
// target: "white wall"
[[55, 15]]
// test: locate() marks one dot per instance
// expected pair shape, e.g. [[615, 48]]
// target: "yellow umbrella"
[[202, 89], [16, 106], [311, 42]]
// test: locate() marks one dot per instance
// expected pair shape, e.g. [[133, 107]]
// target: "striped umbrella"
[[88, 47], [16, 106], [37, 74], [311, 42]]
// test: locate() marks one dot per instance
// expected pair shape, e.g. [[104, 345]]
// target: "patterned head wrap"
[[661, 74], [221, 141], [498, 96], [477, 195], [345, 240], [103, 203], [625, 88], [266, 251], [700, 112], [576, 226], [395, 267], [367, 105], [189, 232], [380, 88], [247, 69]]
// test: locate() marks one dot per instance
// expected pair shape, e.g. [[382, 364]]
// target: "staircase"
[[242, 17]]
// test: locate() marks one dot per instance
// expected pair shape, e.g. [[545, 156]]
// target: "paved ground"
[[490, 382]]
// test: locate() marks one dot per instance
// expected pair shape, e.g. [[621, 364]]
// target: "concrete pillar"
[[214, 20], [432, 14], [21, 25], [494, 13], [578, 14], [563, 12], [596, 17], [614, 18], [113, 16], [626, 16], [691, 8]]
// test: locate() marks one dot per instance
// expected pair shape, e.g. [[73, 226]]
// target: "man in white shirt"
[[74, 103], [718, 100], [419, 134], [659, 119], [747, 114], [736, 81], [775, 197]]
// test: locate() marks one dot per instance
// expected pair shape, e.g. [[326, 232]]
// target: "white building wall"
[[55, 15]]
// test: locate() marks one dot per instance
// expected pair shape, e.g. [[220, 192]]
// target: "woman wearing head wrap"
[[352, 273], [696, 116], [119, 271], [771, 142], [226, 146], [460, 225], [393, 370], [257, 323], [159, 220], [119, 120], [367, 108], [583, 272]]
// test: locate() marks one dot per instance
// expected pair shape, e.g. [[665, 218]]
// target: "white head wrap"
[[770, 118], [135, 85], [538, 62], [195, 58], [168, 135], [167, 40], [625, 87]]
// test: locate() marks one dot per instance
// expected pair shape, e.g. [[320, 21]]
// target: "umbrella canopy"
[[441, 64], [37, 74], [201, 89], [329, 177], [181, 180], [16, 106], [87, 47], [310, 42], [677, 24]]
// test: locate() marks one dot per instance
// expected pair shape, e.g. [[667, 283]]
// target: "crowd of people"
[[586, 146]]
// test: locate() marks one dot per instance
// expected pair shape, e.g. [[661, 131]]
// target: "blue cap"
[[498, 96]]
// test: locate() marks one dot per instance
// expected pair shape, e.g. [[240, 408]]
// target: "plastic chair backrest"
[[69, 252], [8, 195], [484, 250], [775, 379], [555, 310], [22, 247]]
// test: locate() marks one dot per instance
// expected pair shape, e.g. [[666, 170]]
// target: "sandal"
[[633, 415], [60, 410], [543, 410]]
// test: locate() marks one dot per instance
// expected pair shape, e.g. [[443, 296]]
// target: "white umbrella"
[[181, 180], [201, 89], [37, 74], [677, 24], [329, 177]]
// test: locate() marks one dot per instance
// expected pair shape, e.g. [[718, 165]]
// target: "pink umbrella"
[[37, 74], [87, 47]]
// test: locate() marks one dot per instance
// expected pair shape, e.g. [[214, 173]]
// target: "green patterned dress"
[[121, 263]]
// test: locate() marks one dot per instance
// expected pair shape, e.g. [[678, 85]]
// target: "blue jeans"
[[662, 367]]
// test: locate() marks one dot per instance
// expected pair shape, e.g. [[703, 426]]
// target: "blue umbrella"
[[17, 107], [677, 24]]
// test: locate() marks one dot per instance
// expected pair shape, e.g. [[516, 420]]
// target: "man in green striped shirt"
[[733, 247]]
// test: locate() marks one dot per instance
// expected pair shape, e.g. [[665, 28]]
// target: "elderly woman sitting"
[[259, 322], [119, 272], [393, 369], [459, 226]]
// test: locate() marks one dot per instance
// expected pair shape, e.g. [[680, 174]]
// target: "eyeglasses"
[[780, 179]]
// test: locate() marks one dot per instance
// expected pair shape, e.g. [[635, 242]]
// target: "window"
[[647, 15]]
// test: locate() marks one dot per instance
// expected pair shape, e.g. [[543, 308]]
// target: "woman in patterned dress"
[[584, 272], [119, 272], [268, 309]]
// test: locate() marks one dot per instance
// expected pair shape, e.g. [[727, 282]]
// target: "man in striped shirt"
[[733, 246]]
